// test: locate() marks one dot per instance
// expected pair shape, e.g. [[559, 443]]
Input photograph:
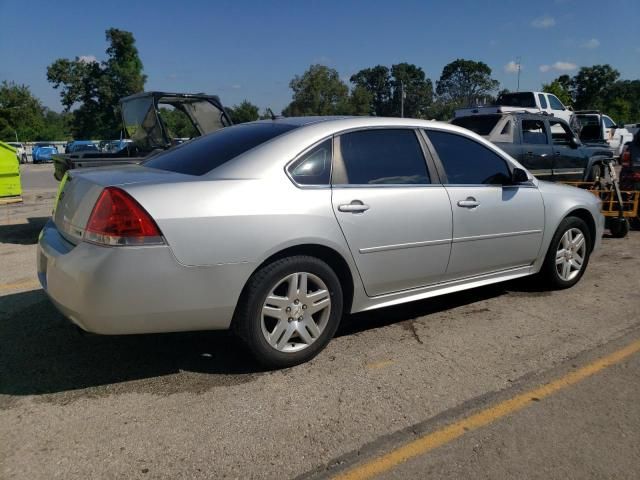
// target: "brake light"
[[117, 219], [625, 158]]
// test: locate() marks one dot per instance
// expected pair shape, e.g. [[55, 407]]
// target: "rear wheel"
[[568, 254], [619, 227], [290, 310]]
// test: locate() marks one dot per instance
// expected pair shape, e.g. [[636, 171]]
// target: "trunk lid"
[[79, 190]]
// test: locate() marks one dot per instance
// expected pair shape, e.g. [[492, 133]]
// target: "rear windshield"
[[205, 153], [523, 99], [482, 125]]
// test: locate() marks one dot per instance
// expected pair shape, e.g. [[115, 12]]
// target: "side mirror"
[[518, 175], [574, 142]]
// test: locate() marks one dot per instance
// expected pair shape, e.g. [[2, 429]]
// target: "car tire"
[[281, 324], [595, 173], [560, 269], [618, 227]]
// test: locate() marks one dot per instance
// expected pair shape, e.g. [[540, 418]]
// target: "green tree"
[[245, 112], [376, 81], [560, 89], [21, 114], [464, 82], [96, 87], [622, 101], [360, 100], [318, 91], [591, 84], [177, 123], [418, 91]]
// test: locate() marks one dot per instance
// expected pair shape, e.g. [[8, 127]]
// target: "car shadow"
[[43, 353], [23, 233]]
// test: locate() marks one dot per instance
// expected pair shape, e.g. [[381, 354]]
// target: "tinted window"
[[533, 131], [608, 123], [524, 99], [465, 161], [382, 157], [555, 103], [543, 100], [203, 154], [482, 125], [314, 167], [560, 133]]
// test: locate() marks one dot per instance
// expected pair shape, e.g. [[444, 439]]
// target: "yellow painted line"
[[379, 364], [24, 285], [455, 430]]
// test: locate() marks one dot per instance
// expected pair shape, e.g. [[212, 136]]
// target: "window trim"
[[339, 167], [290, 163], [440, 165]]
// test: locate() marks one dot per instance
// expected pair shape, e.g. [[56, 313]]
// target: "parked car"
[[630, 162], [597, 127], [545, 145], [21, 152], [277, 227], [142, 119], [82, 146], [530, 102], [43, 152]]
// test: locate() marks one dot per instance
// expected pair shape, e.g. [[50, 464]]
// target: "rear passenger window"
[[467, 162], [314, 167], [533, 132], [543, 100], [381, 156]]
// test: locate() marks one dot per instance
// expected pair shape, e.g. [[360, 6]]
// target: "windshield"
[[522, 99], [206, 153]]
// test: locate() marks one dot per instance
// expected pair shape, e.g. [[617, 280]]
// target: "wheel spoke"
[[317, 295], [566, 240], [304, 334], [560, 256], [312, 326], [566, 270], [274, 312], [319, 305], [277, 332], [292, 290], [277, 301], [578, 242], [290, 329]]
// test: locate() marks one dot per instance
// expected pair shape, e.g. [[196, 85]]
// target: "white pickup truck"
[[530, 102], [597, 127]]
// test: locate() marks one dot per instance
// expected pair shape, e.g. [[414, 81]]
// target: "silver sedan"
[[277, 228]]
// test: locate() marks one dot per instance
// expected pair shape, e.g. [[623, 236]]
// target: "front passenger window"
[[467, 162]]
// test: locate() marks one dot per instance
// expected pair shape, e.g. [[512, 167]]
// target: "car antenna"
[[271, 114]]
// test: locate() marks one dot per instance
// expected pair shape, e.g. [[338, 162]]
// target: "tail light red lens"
[[117, 219]]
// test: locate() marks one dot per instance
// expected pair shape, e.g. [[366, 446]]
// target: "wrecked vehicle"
[[144, 122]]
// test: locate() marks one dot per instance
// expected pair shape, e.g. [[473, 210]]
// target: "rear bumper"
[[125, 290]]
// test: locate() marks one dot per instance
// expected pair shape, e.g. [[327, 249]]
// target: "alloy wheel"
[[570, 254], [295, 312]]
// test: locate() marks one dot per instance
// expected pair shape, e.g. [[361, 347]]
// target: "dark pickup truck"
[[543, 144], [142, 119]]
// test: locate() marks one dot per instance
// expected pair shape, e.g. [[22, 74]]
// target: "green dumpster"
[[9, 172]]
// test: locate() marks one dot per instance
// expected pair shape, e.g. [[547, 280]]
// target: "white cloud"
[[543, 22], [512, 67], [592, 43], [236, 86], [559, 67], [87, 59]]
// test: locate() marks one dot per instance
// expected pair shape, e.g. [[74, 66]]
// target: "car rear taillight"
[[117, 219], [625, 158]]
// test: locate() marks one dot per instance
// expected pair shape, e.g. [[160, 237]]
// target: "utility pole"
[[401, 99], [518, 87]]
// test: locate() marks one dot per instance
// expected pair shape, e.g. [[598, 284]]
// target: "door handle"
[[356, 206], [470, 202]]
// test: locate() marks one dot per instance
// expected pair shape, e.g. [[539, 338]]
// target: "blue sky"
[[251, 49]]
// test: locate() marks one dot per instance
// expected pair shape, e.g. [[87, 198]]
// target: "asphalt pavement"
[[194, 405]]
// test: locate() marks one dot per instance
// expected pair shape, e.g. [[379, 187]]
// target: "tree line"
[[90, 92]]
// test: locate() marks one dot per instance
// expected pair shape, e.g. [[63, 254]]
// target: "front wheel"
[[568, 254], [289, 310]]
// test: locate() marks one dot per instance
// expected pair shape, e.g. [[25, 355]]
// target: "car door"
[[569, 162], [395, 219], [537, 152], [558, 109], [496, 225]]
